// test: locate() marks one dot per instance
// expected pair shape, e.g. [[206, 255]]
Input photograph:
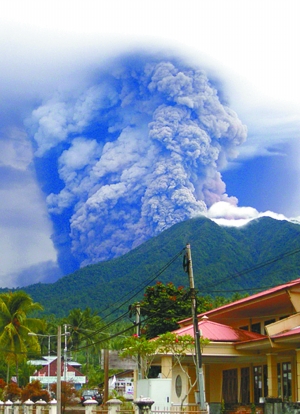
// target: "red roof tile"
[[218, 332]]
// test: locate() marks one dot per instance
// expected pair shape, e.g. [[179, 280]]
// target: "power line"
[[106, 339], [141, 287], [253, 268], [236, 275], [152, 279], [144, 284], [153, 315], [216, 283]]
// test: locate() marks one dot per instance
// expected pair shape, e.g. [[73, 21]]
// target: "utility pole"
[[199, 368], [49, 352], [58, 371], [106, 371], [138, 332], [65, 354]]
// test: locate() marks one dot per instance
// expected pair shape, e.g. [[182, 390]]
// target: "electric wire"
[[236, 275], [216, 283], [143, 285], [259, 289], [103, 328], [186, 296], [251, 269]]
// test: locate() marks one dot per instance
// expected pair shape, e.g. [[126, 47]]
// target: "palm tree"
[[15, 326], [86, 331]]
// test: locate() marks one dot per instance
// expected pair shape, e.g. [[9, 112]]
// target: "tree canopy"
[[15, 326], [164, 305]]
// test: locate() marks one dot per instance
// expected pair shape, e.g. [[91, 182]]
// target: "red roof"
[[218, 332], [293, 331], [248, 299], [53, 369]]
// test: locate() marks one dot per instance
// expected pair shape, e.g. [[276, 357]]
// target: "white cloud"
[[24, 224], [15, 149], [226, 214], [25, 229]]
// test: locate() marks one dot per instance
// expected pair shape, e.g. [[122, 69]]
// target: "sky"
[[119, 119]]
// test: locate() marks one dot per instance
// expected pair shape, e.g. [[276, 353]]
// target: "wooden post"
[[58, 371], [106, 369], [199, 368]]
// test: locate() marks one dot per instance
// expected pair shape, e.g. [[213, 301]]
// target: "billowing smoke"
[[136, 152]]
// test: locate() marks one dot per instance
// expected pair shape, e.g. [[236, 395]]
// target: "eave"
[[274, 302], [256, 345]]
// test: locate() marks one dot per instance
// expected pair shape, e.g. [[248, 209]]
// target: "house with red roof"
[[252, 355], [47, 373]]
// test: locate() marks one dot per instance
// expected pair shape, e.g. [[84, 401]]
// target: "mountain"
[[264, 253]]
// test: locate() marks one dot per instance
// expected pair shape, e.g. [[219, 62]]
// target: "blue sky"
[[120, 119]]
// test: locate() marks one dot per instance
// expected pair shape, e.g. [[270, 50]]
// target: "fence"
[[29, 407], [124, 409], [178, 409], [113, 406]]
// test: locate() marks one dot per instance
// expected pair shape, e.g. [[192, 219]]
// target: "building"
[[253, 354], [48, 373], [122, 384]]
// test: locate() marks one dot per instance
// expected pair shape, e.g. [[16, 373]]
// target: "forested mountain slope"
[[264, 253]]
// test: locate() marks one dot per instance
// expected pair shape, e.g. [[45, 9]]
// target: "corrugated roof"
[[218, 332], [293, 331]]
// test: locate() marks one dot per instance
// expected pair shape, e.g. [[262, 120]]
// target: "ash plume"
[[140, 149]]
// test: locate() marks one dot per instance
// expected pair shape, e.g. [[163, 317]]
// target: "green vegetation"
[[139, 347], [220, 257], [15, 325], [93, 302], [87, 335], [178, 346], [23, 338], [164, 305], [87, 338]]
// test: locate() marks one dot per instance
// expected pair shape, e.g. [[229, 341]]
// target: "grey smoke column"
[[140, 150]]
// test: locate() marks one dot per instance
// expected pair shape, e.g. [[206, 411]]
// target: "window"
[[265, 380], [178, 386], [255, 327], [284, 372], [229, 387], [245, 385], [260, 377], [257, 376]]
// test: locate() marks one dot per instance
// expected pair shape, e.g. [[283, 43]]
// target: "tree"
[[178, 346], [165, 304], [68, 394], [34, 392], [140, 349], [85, 333], [15, 326], [12, 392], [24, 372], [84, 327], [2, 388]]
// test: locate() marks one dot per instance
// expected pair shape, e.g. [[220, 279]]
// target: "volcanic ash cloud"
[[136, 152]]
